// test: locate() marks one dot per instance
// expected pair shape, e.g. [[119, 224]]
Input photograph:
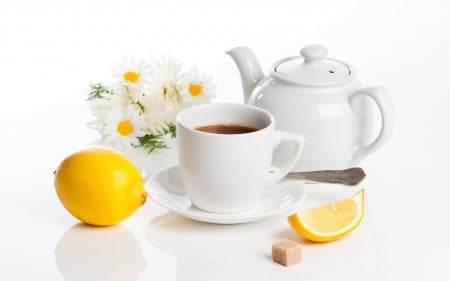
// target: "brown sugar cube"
[[286, 252]]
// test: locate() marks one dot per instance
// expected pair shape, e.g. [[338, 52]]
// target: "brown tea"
[[226, 129]]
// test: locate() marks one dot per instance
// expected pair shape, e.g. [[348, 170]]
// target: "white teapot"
[[320, 98]]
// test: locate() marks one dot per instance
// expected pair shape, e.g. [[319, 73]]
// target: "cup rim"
[[179, 121]]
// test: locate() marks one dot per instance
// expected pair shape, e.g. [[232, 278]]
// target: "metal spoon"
[[351, 176]]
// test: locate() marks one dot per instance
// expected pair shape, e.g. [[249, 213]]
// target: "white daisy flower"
[[100, 108], [155, 113], [132, 72], [120, 96], [145, 99], [166, 81], [126, 94], [197, 88], [124, 126]]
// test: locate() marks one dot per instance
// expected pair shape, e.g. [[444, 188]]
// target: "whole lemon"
[[99, 186]]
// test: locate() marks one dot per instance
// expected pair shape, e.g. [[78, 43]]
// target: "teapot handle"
[[387, 111]]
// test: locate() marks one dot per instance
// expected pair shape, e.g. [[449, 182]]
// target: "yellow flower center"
[[125, 127], [195, 89], [131, 76]]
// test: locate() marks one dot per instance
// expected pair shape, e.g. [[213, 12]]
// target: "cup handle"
[[280, 137], [387, 111]]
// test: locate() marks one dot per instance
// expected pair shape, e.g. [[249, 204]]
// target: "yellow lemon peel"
[[330, 221], [99, 186]]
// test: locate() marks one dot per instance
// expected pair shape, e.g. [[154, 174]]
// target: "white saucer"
[[166, 189]]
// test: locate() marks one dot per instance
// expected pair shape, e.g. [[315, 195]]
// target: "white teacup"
[[228, 173]]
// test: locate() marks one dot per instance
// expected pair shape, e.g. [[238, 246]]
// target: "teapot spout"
[[249, 69]]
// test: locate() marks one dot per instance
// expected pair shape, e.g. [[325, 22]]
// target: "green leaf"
[[151, 142], [172, 130], [97, 91]]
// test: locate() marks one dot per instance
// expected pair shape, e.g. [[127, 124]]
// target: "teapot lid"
[[313, 68]]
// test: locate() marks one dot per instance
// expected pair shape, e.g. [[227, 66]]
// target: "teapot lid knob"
[[314, 53]]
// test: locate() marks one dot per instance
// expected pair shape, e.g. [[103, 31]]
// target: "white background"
[[51, 50]]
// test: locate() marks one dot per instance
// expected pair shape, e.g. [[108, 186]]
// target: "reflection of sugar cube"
[[286, 252]]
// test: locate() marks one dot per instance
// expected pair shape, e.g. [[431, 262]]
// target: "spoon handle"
[[351, 176]]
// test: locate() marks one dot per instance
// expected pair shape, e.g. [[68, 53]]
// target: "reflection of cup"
[[227, 172], [207, 251], [243, 251], [99, 253]]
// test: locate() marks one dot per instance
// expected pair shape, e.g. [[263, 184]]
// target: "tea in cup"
[[225, 155]]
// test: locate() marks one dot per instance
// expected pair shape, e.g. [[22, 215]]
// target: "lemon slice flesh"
[[330, 221]]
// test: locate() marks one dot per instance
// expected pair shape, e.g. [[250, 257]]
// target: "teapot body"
[[335, 121], [320, 98]]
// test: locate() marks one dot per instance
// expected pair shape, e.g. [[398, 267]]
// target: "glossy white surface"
[[51, 50], [227, 173], [166, 188], [319, 97]]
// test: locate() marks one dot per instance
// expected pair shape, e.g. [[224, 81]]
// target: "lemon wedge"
[[330, 221]]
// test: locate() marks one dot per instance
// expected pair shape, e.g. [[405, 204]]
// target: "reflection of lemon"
[[90, 253], [99, 186], [330, 221]]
